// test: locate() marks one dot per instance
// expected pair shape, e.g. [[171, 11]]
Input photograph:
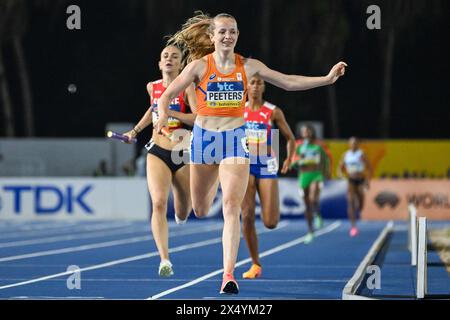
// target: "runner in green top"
[[313, 167]]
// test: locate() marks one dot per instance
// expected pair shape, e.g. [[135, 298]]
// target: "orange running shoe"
[[229, 285], [254, 272]]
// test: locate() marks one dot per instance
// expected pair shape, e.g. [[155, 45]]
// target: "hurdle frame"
[[412, 233], [422, 259]]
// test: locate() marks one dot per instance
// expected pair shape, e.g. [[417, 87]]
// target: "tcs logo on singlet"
[[225, 86]]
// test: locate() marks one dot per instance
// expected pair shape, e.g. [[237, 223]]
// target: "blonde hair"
[[194, 37]]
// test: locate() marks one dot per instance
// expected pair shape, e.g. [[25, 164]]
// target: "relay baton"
[[166, 132], [121, 137]]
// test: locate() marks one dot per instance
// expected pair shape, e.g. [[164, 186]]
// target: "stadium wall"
[[62, 157]]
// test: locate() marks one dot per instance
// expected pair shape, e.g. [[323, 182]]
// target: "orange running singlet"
[[222, 95]]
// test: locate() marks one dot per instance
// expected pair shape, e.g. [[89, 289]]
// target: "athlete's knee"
[[183, 206], [314, 200], [306, 199], [312, 203], [361, 202], [231, 203], [271, 222], [159, 205], [201, 209], [271, 225], [248, 216], [231, 209], [352, 196], [313, 194], [182, 212], [248, 209]]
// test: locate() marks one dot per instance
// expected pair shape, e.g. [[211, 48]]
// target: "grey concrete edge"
[[353, 284]]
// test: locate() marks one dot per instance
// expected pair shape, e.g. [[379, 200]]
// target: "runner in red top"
[[167, 159], [260, 116], [178, 105]]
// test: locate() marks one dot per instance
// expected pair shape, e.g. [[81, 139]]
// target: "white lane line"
[[73, 237], [126, 260], [106, 244], [71, 229], [54, 298], [115, 262], [86, 235], [27, 226], [126, 230], [266, 253], [73, 226]]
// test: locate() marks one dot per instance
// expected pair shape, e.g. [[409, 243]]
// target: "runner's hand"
[[162, 122], [131, 135], [286, 166], [337, 71]]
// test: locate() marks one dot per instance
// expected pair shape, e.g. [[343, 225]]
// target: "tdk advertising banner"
[[72, 198]]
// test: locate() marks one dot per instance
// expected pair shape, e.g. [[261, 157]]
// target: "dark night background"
[[116, 52]]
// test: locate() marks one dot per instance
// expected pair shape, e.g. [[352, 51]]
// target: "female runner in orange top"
[[218, 148]]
